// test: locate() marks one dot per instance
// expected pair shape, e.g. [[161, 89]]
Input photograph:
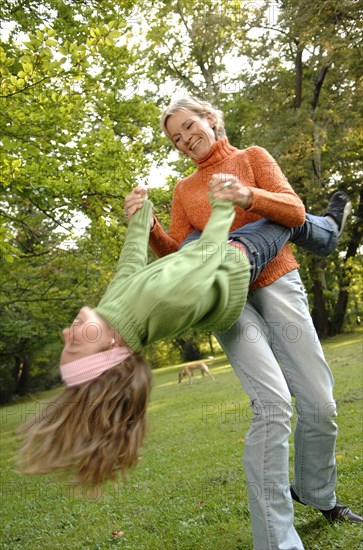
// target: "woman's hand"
[[229, 188], [134, 201]]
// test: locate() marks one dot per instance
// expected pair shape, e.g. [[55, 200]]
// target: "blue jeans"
[[263, 239], [274, 350]]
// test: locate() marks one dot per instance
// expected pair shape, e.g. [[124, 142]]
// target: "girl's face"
[[191, 134], [88, 334]]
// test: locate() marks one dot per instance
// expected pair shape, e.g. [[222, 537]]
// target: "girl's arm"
[[134, 251], [164, 243], [133, 255], [194, 269]]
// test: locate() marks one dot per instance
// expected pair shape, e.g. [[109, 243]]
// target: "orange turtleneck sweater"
[[272, 198]]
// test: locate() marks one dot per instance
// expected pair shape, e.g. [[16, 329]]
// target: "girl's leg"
[[263, 239], [319, 234]]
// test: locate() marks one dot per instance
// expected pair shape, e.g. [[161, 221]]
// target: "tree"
[[328, 94], [75, 138]]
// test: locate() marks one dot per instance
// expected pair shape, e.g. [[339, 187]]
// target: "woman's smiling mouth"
[[195, 144]]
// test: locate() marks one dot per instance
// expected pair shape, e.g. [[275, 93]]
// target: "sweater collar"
[[220, 150]]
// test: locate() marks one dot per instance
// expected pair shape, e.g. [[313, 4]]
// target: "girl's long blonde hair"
[[95, 429]]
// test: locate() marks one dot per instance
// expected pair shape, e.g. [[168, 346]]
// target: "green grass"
[[189, 491]]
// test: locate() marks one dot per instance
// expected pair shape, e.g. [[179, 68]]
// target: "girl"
[[97, 424]]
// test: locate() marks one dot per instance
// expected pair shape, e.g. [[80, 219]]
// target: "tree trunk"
[[189, 349], [319, 136], [23, 380], [298, 76], [342, 302], [210, 340], [319, 312], [318, 85]]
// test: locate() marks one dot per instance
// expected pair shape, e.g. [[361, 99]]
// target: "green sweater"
[[204, 285]]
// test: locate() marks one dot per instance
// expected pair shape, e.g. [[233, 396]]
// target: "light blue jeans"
[[276, 354]]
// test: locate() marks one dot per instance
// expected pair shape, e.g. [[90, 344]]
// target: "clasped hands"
[[229, 188], [134, 201], [222, 186]]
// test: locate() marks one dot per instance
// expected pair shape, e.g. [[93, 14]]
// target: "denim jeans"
[[276, 354], [263, 239]]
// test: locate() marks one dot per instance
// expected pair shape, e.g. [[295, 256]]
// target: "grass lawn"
[[189, 490]]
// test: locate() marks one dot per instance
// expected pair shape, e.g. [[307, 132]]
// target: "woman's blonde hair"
[[95, 429], [196, 106]]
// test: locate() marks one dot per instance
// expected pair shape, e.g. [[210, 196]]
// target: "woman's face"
[[191, 134], [88, 334]]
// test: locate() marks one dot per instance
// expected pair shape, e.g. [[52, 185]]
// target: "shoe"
[[338, 513], [341, 513], [339, 208]]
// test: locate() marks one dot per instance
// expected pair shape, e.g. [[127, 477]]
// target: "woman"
[[97, 424], [273, 346]]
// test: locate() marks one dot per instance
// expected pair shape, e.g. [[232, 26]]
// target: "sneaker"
[[336, 514], [339, 208]]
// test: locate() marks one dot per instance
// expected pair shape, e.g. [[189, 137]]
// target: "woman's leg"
[[266, 455], [284, 308]]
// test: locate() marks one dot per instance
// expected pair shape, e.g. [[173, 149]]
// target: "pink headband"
[[92, 366]]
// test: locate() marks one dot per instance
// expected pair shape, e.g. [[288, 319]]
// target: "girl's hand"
[[229, 188], [134, 201]]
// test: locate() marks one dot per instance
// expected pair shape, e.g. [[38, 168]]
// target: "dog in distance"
[[188, 370]]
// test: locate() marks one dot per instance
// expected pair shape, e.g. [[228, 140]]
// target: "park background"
[[83, 84]]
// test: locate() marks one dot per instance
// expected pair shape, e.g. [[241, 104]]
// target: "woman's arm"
[[273, 198]]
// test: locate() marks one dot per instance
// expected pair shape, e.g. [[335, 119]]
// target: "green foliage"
[[190, 44], [294, 86]]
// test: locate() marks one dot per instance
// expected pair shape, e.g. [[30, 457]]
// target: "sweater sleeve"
[[133, 255], [164, 243], [273, 198], [134, 251], [193, 271]]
